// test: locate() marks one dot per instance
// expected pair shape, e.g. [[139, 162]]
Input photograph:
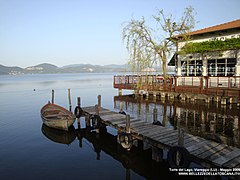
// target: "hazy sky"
[[65, 32]]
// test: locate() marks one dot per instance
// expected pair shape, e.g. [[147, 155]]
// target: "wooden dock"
[[208, 153]]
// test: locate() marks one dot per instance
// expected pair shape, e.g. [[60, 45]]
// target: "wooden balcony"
[[220, 86]]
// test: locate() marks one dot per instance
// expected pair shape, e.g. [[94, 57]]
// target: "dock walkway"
[[207, 152]]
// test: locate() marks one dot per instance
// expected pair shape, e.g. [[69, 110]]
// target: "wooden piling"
[[99, 101], [52, 96], [79, 101], [97, 108], [69, 100], [128, 124], [121, 106]]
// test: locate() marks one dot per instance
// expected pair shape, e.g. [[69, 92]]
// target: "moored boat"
[[57, 117]]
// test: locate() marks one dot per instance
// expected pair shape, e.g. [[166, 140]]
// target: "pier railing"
[[223, 86]]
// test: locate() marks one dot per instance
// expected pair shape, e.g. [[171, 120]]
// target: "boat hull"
[[57, 117]]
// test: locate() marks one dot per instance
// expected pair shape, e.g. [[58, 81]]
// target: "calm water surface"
[[30, 150]]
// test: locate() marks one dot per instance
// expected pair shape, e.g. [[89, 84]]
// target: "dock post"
[[128, 124], [69, 100], [79, 101], [180, 136], [52, 96], [99, 101], [79, 105], [121, 104], [97, 113], [119, 92]]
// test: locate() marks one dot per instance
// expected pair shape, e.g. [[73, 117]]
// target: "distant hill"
[[4, 70], [46, 68]]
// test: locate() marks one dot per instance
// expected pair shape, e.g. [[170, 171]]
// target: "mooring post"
[[79, 105], [180, 136], [128, 124], [121, 105], [52, 96], [99, 101], [69, 100], [79, 102], [97, 113]]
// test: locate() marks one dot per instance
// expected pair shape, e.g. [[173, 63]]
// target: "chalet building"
[[211, 63]]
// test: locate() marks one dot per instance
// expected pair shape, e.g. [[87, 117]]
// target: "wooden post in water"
[[52, 96], [79, 101], [79, 105], [121, 105], [97, 113], [69, 100], [99, 101], [128, 124]]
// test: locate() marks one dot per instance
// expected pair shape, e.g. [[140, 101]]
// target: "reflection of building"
[[199, 119], [211, 61]]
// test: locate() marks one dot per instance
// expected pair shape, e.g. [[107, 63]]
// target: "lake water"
[[30, 150]]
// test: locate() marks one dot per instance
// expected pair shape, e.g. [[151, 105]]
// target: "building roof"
[[221, 27]]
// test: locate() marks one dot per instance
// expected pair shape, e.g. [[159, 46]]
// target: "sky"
[[63, 32]]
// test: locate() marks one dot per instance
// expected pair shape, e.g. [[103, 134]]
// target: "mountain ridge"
[[47, 68]]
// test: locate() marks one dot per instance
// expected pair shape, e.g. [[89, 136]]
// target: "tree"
[[145, 49]]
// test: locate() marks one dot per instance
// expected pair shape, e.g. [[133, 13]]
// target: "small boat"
[[57, 117]]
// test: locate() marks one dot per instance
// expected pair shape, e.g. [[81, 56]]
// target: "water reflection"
[[59, 136], [210, 121], [137, 160]]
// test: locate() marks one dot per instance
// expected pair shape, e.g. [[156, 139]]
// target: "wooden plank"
[[206, 147], [163, 133], [144, 128], [187, 139], [232, 163], [194, 141], [153, 133], [223, 152], [131, 121], [104, 113], [137, 124], [165, 137], [196, 146], [227, 157], [147, 130], [113, 116], [212, 151]]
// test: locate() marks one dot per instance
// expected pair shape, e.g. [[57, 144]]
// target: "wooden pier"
[[207, 153]]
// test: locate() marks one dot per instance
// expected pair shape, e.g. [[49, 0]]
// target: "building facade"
[[212, 63]]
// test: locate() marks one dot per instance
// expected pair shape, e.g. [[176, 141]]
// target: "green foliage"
[[208, 46]]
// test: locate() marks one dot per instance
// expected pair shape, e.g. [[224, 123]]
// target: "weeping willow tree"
[[145, 45]]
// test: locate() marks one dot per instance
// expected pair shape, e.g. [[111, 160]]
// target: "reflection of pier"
[[206, 152], [137, 160], [206, 120]]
